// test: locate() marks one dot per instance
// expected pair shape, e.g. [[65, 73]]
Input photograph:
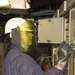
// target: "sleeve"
[[55, 71], [30, 67], [28, 70]]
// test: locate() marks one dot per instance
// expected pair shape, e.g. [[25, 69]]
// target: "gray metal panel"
[[50, 30], [62, 8], [72, 26], [70, 3]]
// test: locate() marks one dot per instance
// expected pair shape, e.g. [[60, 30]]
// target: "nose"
[[30, 35]]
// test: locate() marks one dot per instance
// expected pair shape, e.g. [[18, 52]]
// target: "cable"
[[7, 11]]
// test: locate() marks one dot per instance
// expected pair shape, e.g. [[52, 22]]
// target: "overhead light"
[[4, 3]]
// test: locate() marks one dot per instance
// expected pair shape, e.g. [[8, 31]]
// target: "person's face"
[[26, 39]]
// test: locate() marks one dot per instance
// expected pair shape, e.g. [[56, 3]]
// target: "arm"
[[64, 53], [30, 67]]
